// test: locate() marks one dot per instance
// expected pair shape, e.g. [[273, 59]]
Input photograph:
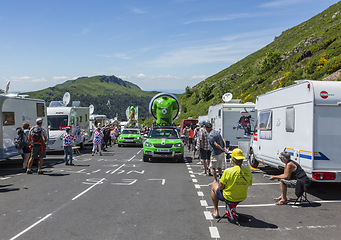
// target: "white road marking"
[[214, 232], [192, 175], [262, 184], [191, 172], [96, 171], [196, 185], [163, 181], [200, 194], [126, 182], [194, 180], [30, 227], [4, 178], [208, 215], [142, 172], [203, 203]]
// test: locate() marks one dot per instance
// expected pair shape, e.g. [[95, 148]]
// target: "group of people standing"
[[34, 145]]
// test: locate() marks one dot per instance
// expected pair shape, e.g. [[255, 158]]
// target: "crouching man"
[[233, 184]]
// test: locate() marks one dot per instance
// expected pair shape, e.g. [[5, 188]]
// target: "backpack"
[[19, 142], [37, 138]]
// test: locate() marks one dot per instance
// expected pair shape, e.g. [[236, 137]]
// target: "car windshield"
[[163, 133], [131, 131]]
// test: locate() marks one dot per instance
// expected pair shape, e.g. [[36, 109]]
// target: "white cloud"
[[57, 79], [281, 3], [141, 75], [139, 11], [199, 77]]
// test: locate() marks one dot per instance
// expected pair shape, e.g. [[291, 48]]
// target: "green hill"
[[310, 50], [97, 91]]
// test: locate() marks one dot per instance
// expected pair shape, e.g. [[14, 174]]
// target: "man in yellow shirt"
[[233, 185]]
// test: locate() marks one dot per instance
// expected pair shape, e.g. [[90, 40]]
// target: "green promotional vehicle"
[[163, 142], [130, 136]]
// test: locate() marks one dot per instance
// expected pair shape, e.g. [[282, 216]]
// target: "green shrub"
[[333, 64], [270, 60]]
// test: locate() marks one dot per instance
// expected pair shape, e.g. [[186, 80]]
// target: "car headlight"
[[120, 137], [178, 145], [147, 144], [137, 137]]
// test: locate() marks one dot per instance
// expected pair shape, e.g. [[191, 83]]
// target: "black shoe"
[[71, 164], [67, 164], [40, 172], [29, 171], [24, 170]]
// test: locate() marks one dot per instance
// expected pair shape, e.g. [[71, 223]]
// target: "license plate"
[[163, 150], [129, 140]]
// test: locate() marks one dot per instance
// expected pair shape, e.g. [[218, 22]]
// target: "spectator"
[[98, 136], [293, 175], [37, 137], [218, 149], [26, 148], [233, 185], [204, 147], [67, 144]]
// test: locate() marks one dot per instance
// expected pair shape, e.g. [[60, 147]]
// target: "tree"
[[205, 92]]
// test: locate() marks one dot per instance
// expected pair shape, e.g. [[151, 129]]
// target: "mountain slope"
[[310, 50], [98, 90]]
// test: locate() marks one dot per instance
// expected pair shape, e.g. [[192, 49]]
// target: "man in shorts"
[[37, 137], [233, 184], [204, 148], [218, 149]]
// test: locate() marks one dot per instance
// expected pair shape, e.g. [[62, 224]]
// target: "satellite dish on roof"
[[66, 98], [91, 109], [7, 87], [227, 97]]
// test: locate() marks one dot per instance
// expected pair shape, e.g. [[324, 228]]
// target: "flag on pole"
[[108, 104]]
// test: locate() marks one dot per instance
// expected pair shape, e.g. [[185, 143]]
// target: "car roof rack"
[[163, 125]]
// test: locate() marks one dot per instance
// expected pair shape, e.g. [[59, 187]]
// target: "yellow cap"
[[238, 154]]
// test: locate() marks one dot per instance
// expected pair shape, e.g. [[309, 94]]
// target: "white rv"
[[60, 116], [234, 120], [303, 119], [15, 110]]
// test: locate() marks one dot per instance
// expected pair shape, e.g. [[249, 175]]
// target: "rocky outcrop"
[[333, 77]]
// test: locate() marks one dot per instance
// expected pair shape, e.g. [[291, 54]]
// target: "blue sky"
[[162, 45]]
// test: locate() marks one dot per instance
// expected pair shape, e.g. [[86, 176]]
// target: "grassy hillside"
[[98, 90], [310, 50]]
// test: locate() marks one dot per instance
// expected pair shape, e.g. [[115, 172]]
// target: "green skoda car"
[[130, 136], [163, 142]]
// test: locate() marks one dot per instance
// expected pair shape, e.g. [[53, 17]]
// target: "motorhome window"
[[86, 117], [219, 113], [72, 121], [290, 119], [80, 118], [55, 122], [77, 120], [8, 118], [40, 110], [265, 120]]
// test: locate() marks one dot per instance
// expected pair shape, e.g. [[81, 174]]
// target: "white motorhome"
[[203, 118], [15, 110], [234, 120], [303, 119], [98, 120], [60, 116]]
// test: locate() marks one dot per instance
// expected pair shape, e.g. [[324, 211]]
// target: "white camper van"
[[233, 119], [15, 110], [60, 116], [303, 119]]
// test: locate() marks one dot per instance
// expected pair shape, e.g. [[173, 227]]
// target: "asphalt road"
[[118, 196]]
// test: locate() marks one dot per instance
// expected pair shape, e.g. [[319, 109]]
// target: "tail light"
[[324, 176]]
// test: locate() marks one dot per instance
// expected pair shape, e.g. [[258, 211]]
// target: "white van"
[[234, 120], [60, 116], [15, 110], [303, 119]]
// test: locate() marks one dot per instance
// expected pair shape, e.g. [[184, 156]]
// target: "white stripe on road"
[[192, 175], [196, 185], [208, 215], [194, 180], [200, 194], [32, 226], [203, 203], [214, 232]]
